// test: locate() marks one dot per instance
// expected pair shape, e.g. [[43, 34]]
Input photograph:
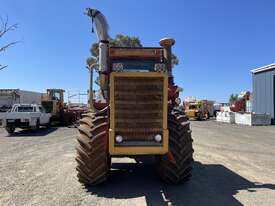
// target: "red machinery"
[[240, 104]]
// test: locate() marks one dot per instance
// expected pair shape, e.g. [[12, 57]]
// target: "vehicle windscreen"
[[25, 109], [136, 65], [192, 107]]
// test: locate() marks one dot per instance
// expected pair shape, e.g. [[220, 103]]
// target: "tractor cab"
[[136, 59], [53, 100]]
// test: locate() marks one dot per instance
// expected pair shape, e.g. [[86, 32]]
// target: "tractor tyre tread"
[[180, 146], [93, 161]]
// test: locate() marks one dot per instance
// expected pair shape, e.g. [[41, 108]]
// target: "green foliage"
[[119, 41], [90, 61], [175, 60], [124, 41]]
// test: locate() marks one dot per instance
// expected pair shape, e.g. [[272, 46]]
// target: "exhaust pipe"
[[102, 28], [167, 44], [102, 33], [101, 24]]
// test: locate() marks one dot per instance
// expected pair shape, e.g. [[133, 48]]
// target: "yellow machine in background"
[[53, 102], [197, 110]]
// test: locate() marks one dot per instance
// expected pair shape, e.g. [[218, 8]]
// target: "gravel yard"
[[234, 165]]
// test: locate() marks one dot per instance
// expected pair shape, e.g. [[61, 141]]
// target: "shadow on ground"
[[33, 133], [210, 185]]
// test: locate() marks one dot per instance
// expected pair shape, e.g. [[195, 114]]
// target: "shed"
[[8, 97], [264, 90]]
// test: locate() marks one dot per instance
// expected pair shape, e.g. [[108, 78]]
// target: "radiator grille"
[[138, 107]]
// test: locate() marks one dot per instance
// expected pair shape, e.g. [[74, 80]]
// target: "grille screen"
[[138, 107]]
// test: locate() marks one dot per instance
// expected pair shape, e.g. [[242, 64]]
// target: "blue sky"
[[218, 42]]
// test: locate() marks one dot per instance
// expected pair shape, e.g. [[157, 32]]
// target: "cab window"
[[24, 109]]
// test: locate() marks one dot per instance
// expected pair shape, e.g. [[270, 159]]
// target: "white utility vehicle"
[[25, 116]]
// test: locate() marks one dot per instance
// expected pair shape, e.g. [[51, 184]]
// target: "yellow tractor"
[[197, 110], [53, 102], [140, 115]]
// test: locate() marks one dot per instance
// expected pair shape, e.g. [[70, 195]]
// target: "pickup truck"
[[25, 116]]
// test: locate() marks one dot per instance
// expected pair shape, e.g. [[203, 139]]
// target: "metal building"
[[8, 97], [264, 90]]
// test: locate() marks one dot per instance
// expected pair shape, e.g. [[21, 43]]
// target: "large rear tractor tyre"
[[10, 129], [93, 160], [200, 116], [176, 166], [207, 116]]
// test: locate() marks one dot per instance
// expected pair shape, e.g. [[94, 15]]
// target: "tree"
[[233, 98], [4, 29], [124, 41]]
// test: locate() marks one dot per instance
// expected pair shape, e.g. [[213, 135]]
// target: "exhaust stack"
[[102, 28], [167, 44], [101, 24]]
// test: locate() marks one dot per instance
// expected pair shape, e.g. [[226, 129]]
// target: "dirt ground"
[[234, 165]]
